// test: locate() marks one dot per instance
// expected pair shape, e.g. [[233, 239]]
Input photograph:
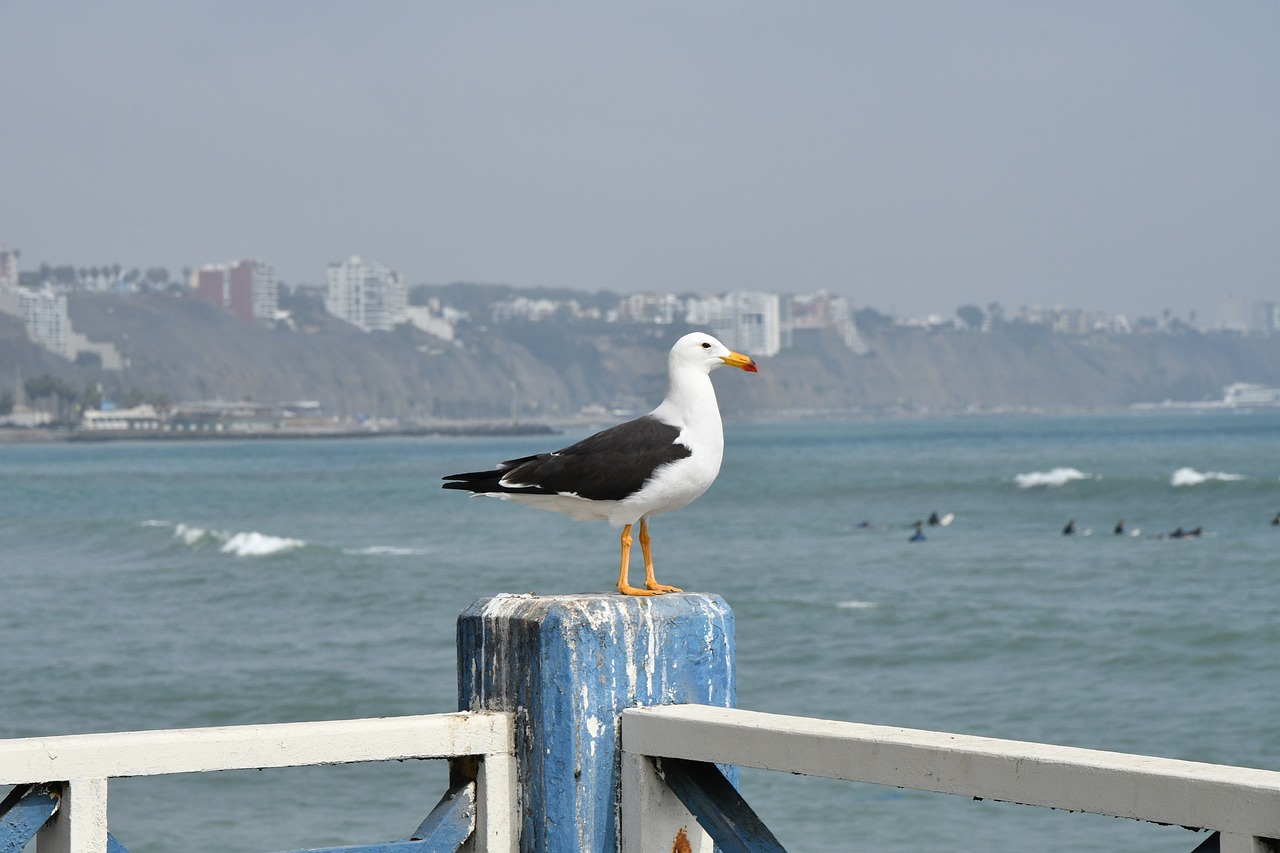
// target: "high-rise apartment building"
[[45, 315], [247, 289], [368, 295], [747, 322]]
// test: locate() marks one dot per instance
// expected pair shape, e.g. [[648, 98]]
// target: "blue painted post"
[[567, 666]]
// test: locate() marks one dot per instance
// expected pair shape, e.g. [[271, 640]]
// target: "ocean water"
[[173, 584]]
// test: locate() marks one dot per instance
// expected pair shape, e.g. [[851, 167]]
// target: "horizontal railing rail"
[[1243, 804], [77, 767]]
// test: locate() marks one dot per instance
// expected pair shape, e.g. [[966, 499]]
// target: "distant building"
[[8, 268], [1233, 315], [661, 309], [1264, 318], [748, 322], [247, 289], [367, 295], [822, 311], [45, 315], [138, 418]]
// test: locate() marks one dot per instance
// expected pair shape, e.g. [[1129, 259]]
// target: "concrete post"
[[566, 667]]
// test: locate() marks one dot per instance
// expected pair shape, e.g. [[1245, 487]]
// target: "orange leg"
[[650, 582], [623, 586]]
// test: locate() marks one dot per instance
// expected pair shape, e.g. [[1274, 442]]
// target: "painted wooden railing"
[[61, 782], [682, 744], [616, 717]]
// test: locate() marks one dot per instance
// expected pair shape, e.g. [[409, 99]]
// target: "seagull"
[[626, 473]]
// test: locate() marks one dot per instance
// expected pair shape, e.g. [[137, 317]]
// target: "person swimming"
[[1070, 529], [1119, 531], [918, 536]]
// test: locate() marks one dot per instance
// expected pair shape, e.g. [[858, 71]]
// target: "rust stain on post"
[[682, 842]]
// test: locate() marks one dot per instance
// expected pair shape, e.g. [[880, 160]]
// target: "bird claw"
[[627, 589], [660, 588]]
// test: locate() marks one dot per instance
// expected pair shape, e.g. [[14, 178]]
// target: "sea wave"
[[255, 544], [242, 544], [1192, 477], [189, 533], [857, 604], [384, 551], [1050, 479]]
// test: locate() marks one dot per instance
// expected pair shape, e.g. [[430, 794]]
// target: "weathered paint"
[[566, 667], [22, 813], [452, 820]]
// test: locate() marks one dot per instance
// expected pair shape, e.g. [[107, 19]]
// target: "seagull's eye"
[[706, 345]]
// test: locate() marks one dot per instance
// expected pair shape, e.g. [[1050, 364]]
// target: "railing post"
[[566, 667], [1230, 842], [80, 824]]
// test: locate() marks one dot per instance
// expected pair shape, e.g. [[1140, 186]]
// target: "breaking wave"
[[243, 544], [1050, 479], [254, 544], [1192, 477]]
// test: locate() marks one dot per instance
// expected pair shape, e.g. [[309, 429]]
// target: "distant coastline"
[[46, 434]]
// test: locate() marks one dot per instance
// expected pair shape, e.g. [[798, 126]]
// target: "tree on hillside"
[[996, 312], [869, 320], [57, 391], [971, 316]]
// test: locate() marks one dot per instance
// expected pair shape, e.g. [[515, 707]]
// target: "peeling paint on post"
[[567, 666]]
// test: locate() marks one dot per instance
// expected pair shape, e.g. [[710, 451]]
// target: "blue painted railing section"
[[22, 813], [446, 829]]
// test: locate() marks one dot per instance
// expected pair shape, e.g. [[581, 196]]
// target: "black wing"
[[607, 466]]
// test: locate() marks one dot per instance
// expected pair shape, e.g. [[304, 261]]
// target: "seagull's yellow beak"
[[737, 359]]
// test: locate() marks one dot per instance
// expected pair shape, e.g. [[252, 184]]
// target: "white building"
[[45, 314], [660, 308], [368, 295], [8, 268], [750, 323], [821, 310]]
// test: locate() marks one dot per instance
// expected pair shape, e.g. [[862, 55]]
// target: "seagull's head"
[[701, 350]]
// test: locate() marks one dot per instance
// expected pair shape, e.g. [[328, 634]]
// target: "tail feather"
[[490, 482]]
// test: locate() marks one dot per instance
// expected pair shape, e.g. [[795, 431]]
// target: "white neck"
[[691, 401]]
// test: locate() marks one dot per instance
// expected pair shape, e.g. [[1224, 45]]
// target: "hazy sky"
[[915, 156]]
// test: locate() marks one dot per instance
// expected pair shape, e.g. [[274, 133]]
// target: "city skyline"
[[1116, 157]]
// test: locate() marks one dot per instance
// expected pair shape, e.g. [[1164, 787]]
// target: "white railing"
[[84, 763], [1242, 804]]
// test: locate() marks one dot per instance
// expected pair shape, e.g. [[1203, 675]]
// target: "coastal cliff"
[[188, 350]]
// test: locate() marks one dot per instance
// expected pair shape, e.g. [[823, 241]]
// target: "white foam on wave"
[[384, 551], [855, 604], [1192, 477], [255, 544], [1050, 479], [247, 544], [189, 533]]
